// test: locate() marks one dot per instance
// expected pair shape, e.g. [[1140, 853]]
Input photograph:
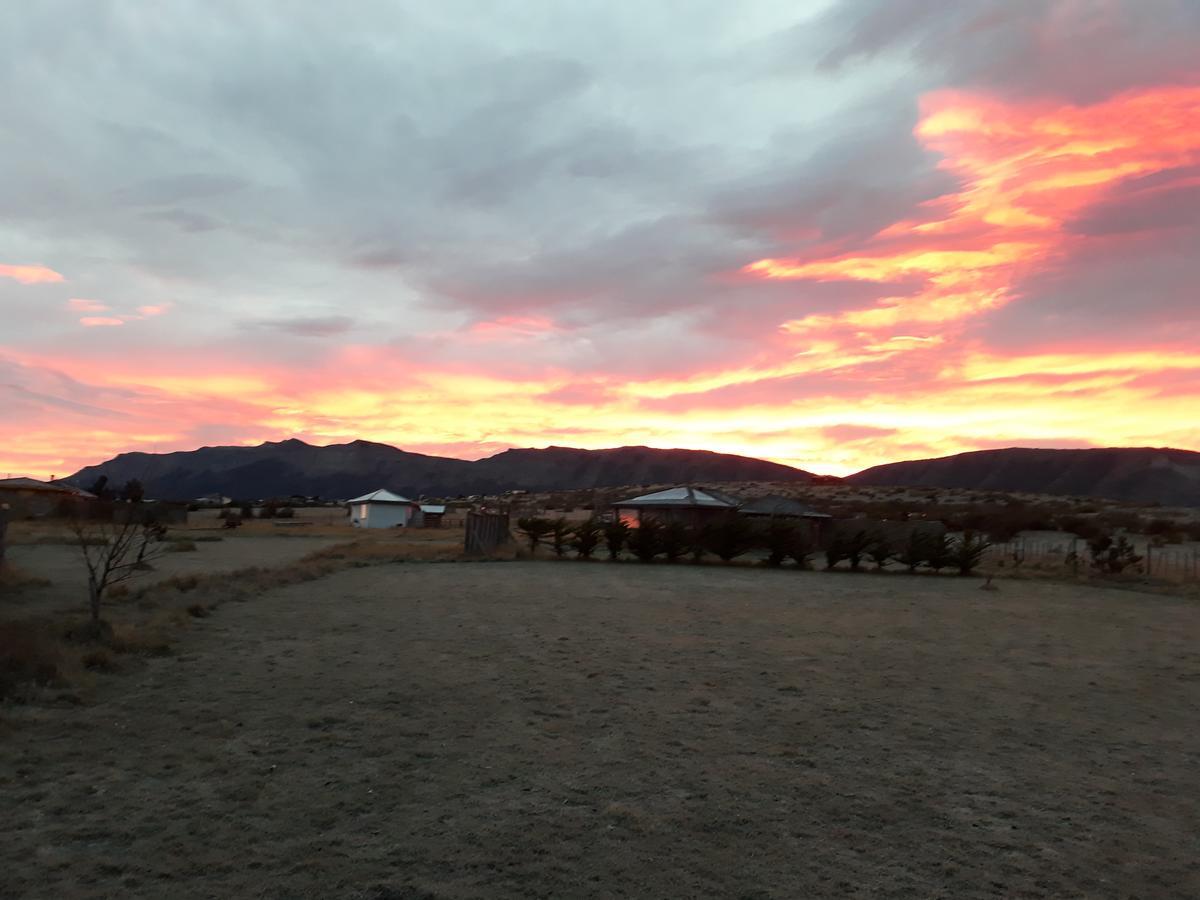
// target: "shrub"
[[181, 546], [938, 552], [676, 539], [1112, 557], [729, 537], [880, 551], [848, 547], [646, 541], [779, 537], [616, 537], [560, 533], [285, 512], [915, 552], [967, 552], [535, 529], [585, 538]]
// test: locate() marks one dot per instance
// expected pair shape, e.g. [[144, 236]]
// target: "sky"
[[831, 233]]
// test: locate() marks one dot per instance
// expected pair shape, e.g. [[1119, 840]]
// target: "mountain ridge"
[[1164, 475], [292, 466]]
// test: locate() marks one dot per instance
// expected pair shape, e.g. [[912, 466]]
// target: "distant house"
[[383, 509], [678, 504], [775, 506], [30, 498], [212, 501]]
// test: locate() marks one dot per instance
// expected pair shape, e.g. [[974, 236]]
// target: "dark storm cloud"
[[1078, 49]]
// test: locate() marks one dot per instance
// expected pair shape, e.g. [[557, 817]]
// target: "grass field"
[[470, 730]]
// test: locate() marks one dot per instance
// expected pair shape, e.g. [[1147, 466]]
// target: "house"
[[775, 506], [688, 504], [383, 509], [30, 498], [433, 513]]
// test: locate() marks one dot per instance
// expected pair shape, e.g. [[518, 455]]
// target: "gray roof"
[[433, 508], [775, 505], [382, 496], [684, 497]]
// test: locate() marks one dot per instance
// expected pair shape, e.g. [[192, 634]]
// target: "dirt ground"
[[554, 730]]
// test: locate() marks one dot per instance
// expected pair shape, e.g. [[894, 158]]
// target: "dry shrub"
[[33, 653], [99, 660], [146, 639], [181, 546], [14, 579]]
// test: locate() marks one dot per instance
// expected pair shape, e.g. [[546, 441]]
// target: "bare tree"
[[115, 550]]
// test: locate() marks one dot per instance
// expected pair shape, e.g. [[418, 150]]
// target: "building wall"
[[381, 515], [689, 515]]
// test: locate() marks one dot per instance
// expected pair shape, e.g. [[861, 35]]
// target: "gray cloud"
[[308, 326]]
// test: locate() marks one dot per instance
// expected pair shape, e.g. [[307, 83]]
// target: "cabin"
[[688, 504], [30, 498], [383, 509], [775, 506]]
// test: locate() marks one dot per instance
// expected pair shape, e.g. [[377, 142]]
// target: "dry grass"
[[14, 579], [147, 620]]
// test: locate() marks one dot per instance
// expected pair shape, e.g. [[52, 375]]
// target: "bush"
[[616, 537], [646, 541], [181, 546], [967, 552], [535, 529], [880, 551], [848, 547], [676, 539], [285, 512], [586, 538], [729, 537], [915, 552], [1112, 557], [560, 533], [779, 538], [938, 553]]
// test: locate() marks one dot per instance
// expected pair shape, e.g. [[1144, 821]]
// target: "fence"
[[1073, 555], [485, 532]]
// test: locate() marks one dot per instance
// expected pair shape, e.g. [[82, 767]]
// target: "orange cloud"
[[30, 274], [1026, 171], [100, 321]]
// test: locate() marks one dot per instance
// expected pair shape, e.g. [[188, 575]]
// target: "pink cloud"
[[155, 310], [100, 321], [79, 304], [30, 274]]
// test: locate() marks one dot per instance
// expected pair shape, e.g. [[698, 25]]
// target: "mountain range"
[[284, 468], [1141, 474], [280, 469]]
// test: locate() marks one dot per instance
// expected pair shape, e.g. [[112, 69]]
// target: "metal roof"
[[432, 508], [381, 496], [683, 497], [32, 484], [775, 505]]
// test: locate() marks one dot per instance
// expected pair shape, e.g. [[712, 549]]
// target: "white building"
[[383, 509]]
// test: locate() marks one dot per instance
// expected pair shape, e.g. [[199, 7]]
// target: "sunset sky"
[[831, 234]]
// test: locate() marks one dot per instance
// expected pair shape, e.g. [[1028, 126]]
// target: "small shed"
[[679, 504], [433, 513], [383, 509]]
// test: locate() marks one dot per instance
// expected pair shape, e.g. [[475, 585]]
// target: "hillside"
[[345, 470], [1141, 474]]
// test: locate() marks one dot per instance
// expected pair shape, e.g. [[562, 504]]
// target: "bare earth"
[[562, 730]]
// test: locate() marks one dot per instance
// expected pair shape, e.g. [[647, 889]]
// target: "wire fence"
[[1175, 563]]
